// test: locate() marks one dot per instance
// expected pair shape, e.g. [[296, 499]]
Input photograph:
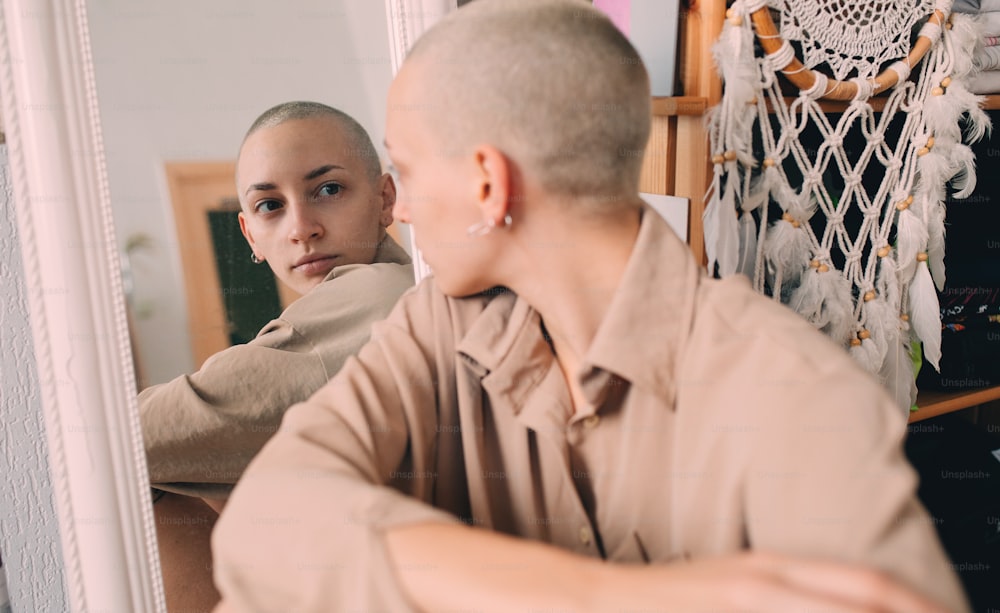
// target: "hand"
[[756, 581]]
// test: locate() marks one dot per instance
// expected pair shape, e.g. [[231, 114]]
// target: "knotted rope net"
[[841, 216]]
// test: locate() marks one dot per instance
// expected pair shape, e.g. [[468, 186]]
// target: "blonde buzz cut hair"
[[552, 83]]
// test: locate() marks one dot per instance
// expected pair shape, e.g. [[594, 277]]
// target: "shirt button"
[[591, 421], [585, 536]]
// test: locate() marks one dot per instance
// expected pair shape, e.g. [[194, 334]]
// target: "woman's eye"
[[330, 189], [267, 206]]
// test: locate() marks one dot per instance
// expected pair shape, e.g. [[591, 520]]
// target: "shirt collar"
[[389, 252], [647, 321], [650, 314]]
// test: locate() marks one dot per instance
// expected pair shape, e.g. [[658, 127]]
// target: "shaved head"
[[360, 143], [551, 83]]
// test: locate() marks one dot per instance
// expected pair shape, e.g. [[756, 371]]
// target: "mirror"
[[87, 141], [177, 87]]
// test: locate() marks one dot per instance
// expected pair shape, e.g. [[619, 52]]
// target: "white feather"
[[897, 375], [963, 162], [935, 242], [866, 355], [925, 314], [721, 230], [748, 246], [911, 239], [965, 35], [786, 251], [824, 298]]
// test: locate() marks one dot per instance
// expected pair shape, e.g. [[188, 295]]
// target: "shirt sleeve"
[[304, 528], [831, 479], [201, 430]]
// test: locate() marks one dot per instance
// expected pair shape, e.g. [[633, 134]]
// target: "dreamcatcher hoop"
[[805, 78], [870, 287]]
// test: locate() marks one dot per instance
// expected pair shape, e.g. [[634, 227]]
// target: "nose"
[[304, 224], [401, 210]]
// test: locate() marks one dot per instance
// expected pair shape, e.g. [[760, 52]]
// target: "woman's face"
[[307, 202], [437, 191]]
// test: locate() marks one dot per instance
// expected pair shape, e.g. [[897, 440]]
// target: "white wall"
[[182, 81]]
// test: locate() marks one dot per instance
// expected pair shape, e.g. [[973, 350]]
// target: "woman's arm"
[[452, 568]]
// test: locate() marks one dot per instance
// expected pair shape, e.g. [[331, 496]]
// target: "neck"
[[568, 270]]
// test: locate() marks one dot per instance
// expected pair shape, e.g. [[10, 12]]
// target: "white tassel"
[[824, 298], [925, 314]]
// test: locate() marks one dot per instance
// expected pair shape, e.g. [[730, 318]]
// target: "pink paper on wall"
[[618, 11]]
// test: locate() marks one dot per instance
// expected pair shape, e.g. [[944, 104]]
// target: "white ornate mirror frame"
[[77, 311], [72, 282]]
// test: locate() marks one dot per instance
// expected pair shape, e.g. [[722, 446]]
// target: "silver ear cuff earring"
[[255, 259], [485, 227]]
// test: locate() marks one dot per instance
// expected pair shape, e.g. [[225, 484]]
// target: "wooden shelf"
[[992, 102], [670, 106], [933, 404]]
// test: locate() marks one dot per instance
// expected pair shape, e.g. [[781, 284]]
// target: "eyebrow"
[[312, 174]]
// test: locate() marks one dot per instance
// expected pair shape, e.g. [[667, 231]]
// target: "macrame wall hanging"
[[842, 217]]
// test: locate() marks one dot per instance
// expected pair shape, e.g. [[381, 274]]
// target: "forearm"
[[448, 567], [451, 567]]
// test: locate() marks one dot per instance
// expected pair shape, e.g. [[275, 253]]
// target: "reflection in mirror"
[[182, 83], [174, 83]]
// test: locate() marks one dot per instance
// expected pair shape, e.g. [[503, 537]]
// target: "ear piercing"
[[485, 227]]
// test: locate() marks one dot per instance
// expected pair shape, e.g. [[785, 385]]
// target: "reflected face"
[[436, 190], [307, 203]]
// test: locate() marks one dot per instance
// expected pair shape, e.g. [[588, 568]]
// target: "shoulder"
[[754, 355], [733, 318], [351, 289]]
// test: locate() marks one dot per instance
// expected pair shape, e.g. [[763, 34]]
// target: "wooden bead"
[[909, 200], [864, 334], [855, 342], [921, 257], [823, 268], [884, 251], [791, 220], [814, 264], [730, 155], [730, 13], [923, 151], [904, 317], [945, 82], [869, 296], [718, 158], [768, 162], [902, 205], [930, 142], [937, 91]]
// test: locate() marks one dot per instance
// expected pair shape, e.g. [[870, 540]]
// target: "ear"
[[493, 191], [247, 235], [387, 191]]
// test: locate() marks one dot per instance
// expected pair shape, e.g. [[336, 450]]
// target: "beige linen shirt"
[[717, 420], [201, 430]]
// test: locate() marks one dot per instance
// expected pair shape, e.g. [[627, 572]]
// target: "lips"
[[314, 264]]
